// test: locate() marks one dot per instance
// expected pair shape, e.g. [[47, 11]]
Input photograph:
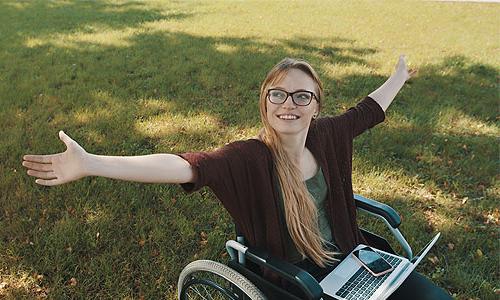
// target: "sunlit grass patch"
[[338, 70], [162, 125], [20, 284], [93, 36], [225, 48], [456, 122], [402, 186], [100, 106], [95, 215]]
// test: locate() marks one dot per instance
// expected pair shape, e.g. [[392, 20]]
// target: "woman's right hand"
[[55, 169]]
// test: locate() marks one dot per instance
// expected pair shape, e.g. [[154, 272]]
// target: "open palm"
[[402, 67], [55, 169]]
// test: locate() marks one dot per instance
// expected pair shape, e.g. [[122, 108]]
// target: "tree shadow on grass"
[[43, 18], [189, 75], [126, 99]]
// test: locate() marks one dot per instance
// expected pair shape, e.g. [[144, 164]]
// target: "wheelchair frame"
[[246, 261]]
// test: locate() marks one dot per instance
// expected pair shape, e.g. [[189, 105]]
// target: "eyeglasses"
[[300, 98]]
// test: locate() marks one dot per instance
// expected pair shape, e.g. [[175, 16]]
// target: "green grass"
[[129, 78]]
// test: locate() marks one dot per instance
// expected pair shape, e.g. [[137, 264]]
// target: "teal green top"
[[316, 186]]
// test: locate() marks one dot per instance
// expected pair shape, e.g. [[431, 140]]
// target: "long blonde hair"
[[301, 213]]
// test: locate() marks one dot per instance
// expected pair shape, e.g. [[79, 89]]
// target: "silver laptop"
[[350, 280]]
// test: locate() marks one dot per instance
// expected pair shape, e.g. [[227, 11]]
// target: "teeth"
[[288, 117]]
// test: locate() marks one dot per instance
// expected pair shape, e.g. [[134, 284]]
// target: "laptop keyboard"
[[363, 284]]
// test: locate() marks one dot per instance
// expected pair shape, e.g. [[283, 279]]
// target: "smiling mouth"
[[288, 117]]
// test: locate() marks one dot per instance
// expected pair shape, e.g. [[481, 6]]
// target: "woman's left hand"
[[402, 68]]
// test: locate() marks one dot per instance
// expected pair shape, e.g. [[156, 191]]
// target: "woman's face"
[[289, 118]]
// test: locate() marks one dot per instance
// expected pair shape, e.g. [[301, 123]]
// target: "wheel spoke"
[[198, 292], [208, 293], [205, 291]]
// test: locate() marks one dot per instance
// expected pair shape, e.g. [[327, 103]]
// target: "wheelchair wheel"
[[206, 279]]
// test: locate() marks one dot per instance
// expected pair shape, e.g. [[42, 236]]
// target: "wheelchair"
[[241, 278]]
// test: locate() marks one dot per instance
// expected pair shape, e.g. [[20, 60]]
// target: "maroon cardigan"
[[242, 176]]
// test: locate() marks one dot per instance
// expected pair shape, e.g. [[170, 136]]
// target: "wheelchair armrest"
[[389, 215], [379, 209], [305, 281]]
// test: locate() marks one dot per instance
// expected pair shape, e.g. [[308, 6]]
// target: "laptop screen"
[[415, 258]]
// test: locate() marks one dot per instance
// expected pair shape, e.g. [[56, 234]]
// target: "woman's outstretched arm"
[[388, 91], [75, 163]]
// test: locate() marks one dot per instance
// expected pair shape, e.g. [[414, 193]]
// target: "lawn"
[[134, 78]]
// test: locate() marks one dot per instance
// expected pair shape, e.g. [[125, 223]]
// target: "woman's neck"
[[294, 145]]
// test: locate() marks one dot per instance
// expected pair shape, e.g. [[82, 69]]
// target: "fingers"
[[38, 166], [401, 60], [48, 182], [45, 159], [65, 138], [43, 175], [411, 74]]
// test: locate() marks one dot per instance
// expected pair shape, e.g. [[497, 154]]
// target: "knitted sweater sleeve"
[[232, 172], [356, 120]]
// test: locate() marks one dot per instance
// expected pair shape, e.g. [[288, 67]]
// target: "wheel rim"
[[206, 289], [205, 279]]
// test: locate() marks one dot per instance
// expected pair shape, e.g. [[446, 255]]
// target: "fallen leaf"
[[479, 253], [142, 242], [73, 281], [492, 217], [451, 246], [434, 259]]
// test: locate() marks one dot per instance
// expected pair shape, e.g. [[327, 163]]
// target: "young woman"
[[289, 190]]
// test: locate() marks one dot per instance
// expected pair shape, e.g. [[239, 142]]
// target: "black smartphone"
[[372, 261]]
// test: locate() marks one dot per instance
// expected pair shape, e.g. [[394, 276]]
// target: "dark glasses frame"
[[268, 96]]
